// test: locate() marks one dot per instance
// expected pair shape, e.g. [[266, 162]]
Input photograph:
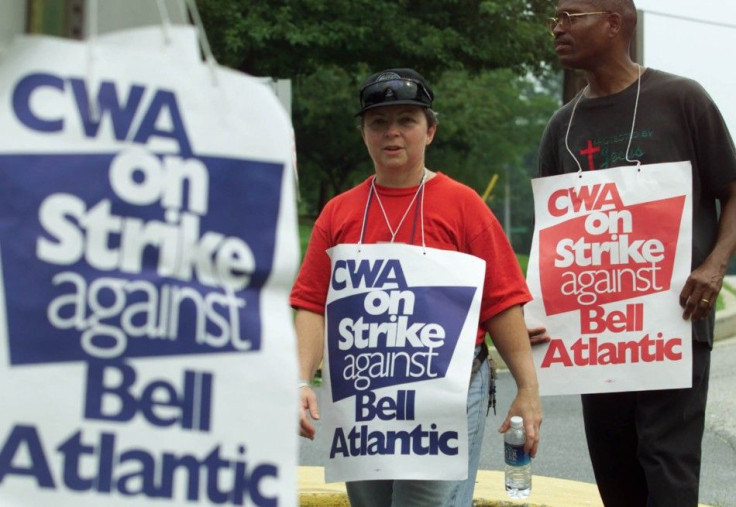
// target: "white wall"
[[696, 43], [113, 15], [12, 21], [118, 15]]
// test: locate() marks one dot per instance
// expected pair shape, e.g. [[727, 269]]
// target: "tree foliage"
[[476, 54], [288, 38], [490, 125]]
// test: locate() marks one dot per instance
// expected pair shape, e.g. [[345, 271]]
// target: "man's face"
[[580, 37]]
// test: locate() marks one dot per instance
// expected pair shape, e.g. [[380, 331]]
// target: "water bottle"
[[518, 469]]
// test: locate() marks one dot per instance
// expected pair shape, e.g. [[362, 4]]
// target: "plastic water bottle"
[[518, 469]]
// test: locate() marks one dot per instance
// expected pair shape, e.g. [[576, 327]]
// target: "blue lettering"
[[339, 444], [392, 274], [360, 441], [252, 484], [387, 408], [22, 102], [380, 274], [160, 403], [107, 103], [163, 106], [340, 267], [38, 467], [73, 451], [97, 391], [141, 479], [97, 465], [164, 100]]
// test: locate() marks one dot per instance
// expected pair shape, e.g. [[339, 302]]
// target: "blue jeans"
[[409, 493]]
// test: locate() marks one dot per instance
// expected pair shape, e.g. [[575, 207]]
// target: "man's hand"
[[698, 296], [537, 335]]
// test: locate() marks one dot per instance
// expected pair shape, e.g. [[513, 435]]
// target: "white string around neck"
[[633, 123], [411, 204]]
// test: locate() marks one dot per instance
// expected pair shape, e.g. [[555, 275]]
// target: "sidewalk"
[[489, 489]]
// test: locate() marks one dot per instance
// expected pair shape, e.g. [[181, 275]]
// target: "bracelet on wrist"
[[303, 383]]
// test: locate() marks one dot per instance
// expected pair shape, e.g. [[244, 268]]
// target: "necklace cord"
[[393, 232], [633, 124]]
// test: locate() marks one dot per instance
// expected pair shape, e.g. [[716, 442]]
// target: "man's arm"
[[310, 330], [698, 296], [510, 337]]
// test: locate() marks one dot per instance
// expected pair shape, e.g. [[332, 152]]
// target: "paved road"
[[563, 453]]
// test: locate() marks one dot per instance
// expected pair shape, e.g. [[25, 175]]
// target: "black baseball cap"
[[393, 87]]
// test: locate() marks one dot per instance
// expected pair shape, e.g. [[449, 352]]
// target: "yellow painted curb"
[[489, 491]]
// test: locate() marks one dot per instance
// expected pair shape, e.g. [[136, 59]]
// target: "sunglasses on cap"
[[393, 90]]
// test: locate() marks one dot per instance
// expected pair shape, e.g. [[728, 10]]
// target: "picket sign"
[[610, 254], [148, 241], [401, 322]]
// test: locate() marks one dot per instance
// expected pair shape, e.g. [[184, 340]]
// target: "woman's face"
[[396, 137]]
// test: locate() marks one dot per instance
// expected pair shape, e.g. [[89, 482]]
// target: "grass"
[[719, 302], [729, 288], [305, 230]]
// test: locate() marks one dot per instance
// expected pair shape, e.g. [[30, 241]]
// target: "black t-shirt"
[[676, 120]]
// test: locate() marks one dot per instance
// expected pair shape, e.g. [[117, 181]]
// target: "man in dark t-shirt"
[[645, 446]]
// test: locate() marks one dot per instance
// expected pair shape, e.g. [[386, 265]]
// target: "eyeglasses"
[[393, 90], [565, 19]]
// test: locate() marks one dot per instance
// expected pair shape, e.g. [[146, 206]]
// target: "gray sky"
[[696, 39]]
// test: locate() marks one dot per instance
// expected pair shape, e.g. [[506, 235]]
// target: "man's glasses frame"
[[566, 19]]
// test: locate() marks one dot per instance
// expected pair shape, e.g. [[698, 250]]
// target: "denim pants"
[[409, 493]]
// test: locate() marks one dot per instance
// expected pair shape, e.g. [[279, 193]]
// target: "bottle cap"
[[517, 422]]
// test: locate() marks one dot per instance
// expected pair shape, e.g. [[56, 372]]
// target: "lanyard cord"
[[633, 123], [393, 232]]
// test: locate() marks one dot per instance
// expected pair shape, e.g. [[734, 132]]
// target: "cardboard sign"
[[401, 323], [147, 246], [610, 254]]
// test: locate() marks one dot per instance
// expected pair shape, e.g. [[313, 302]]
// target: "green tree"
[[287, 38], [327, 47], [492, 127]]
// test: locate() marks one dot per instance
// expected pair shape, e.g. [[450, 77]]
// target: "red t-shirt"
[[455, 218]]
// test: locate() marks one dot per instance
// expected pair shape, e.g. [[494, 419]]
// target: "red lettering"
[[608, 354], [591, 321], [594, 320], [669, 349], [608, 197], [579, 349], [591, 353], [596, 197], [556, 200], [556, 353]]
